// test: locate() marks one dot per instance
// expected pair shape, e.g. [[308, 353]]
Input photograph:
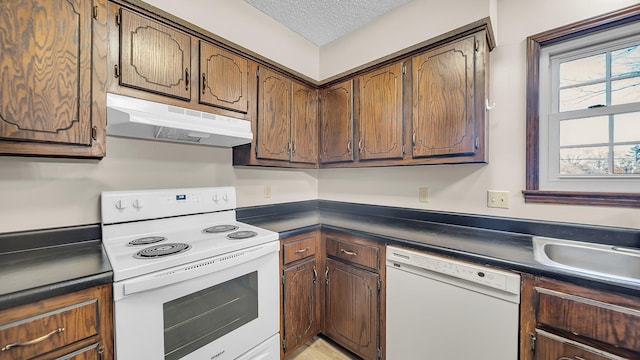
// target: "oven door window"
[[198, 319]]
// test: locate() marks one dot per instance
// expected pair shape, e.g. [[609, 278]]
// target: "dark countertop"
[[32, 274], [507, 250]]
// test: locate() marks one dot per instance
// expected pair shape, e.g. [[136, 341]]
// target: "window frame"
[[534, 44]]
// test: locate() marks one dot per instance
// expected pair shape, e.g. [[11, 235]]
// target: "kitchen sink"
[[597, 259]]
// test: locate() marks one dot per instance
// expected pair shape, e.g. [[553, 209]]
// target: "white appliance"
[[137, 118], [444, 309], [190, 282]]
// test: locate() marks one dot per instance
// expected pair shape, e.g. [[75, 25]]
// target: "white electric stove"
[[190, 282]]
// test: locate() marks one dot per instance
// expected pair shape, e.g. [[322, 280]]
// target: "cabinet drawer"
[[352, 252], [608, 323], [549, 346], [299, 249], [39, 334]]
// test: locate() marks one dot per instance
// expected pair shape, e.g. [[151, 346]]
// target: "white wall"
[[410, 24], [462, 188], [42, 193]]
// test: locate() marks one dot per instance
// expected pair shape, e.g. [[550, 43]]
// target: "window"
[[583, 112]]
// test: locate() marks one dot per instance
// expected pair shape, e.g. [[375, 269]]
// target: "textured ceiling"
[[322, 21]]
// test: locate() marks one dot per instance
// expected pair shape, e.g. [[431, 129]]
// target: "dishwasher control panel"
[[496, 279]]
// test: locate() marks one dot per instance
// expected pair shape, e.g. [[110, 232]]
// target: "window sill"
[[582, 198]]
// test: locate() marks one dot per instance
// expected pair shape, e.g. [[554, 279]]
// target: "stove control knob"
[[138, 204], [121, 205], [215, 198], [225, 197]]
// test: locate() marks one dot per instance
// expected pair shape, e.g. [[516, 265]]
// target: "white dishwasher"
[[443, 309]]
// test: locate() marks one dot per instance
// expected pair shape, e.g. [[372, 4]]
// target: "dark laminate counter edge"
[[365, 224], [43, 292], [35, 265]]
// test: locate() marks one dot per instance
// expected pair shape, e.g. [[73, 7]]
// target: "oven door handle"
[[192, 270]]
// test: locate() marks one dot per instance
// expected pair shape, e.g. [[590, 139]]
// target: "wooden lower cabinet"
[[74, 326], [569, 322], [351, 308], [300, 290]]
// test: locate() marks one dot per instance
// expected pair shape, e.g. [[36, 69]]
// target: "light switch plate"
[[498, 199], [423, 194]]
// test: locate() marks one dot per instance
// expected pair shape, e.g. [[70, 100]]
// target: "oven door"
[[217, 308]]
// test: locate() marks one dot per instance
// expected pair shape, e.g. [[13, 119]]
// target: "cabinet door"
[[154, 57], [336, 130], [301, 305], [223, 78], [381, 114], [443, 100], [45, 88], [549, 346], [274, 116], [351, 308], [304, 124]]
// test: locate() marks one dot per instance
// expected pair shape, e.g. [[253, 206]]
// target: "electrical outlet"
[[423, 194], [498, 199], [267, 191]]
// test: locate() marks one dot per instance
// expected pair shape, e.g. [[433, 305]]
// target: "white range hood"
[[136, 118]]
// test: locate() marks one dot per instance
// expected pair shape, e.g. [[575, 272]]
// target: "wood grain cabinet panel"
[[301, 305], [73, 326], [223, 80], [336, 128], [154, 57], [300, 291], [559, 320], [444, 99], [304, 124], [274, 115], [351, 308], [549, 346], [47, 80], [380, 120]]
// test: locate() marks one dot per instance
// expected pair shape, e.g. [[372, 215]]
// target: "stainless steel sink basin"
[[597, 259]]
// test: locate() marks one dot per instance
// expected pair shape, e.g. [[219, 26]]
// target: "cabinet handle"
[[34, 341], [488, 107], [326, 275], [575, 357], [293, 149], [300, 251], [204, 83], [413, 139], [349, 146], [186, 78], [347, 252], [360, 146], [315, 274]]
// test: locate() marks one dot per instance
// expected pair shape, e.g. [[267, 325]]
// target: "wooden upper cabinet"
[[380, 117], [274, 115], [46, 89], [154, 57], [444, 99], [336, 129], [223, 78], [304, 124]]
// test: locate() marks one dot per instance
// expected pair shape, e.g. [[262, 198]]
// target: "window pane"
[[626, 159], [625, 91], [582, 97], [626, 127], [586, 131], [584, 161], [625, 61], [581, 70]]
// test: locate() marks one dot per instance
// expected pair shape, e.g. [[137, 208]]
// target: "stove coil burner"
[[220, 229], [147, 240], [239, 235], [162, 250]]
